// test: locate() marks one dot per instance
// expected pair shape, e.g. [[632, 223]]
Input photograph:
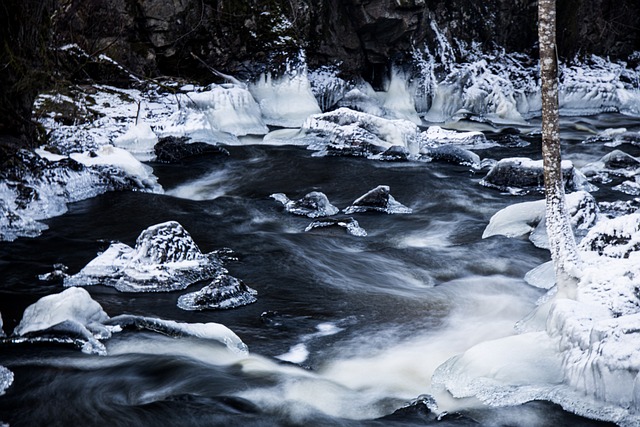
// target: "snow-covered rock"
[[520, 175], [617, 238], [348, 223], [223, 293], [379, 199], [437, 136], [313, 205], [351, 133], [66, 317], [6, 379], [38, 188], [73, 317], [165, 258]]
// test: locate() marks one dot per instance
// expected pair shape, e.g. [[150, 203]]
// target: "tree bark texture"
[[561, 239]]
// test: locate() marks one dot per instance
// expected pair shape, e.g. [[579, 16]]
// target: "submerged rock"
[[350, 224], [520, 175], [172, 149], [378, 199], [453, 154], [224, 292], [165, 258], [313, 205]]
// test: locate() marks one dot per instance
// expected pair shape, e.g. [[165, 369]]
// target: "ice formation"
[[73, 317], [208, 331], [350, 224], [229, 108], [529, 217], [1, 330], [285, 101], [165, 258], [520, 175], [581, 353], [313, 205], [224, 292], [379, 199], [6, 379]]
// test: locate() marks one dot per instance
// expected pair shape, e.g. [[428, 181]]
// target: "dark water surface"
[[374, 315]]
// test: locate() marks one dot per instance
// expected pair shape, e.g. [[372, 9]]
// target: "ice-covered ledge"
[[581, 353]]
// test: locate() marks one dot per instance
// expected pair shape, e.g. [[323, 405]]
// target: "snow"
[[312, 205], [165, 258]]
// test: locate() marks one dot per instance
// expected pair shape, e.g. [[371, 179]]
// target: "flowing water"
[[346, 329]]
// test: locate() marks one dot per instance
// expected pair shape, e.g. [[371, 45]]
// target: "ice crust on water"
[[378, 199], [73, 317], [314, 204], [165, 258], [224, 292], [6, 379]]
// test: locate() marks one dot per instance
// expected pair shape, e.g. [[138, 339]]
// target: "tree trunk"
[[561, 240]]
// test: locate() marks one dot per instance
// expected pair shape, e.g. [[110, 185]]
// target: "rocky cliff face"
[[363, 36]]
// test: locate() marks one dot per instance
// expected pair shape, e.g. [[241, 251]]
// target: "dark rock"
[[395, 153], [378, 199], [173, 150]]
